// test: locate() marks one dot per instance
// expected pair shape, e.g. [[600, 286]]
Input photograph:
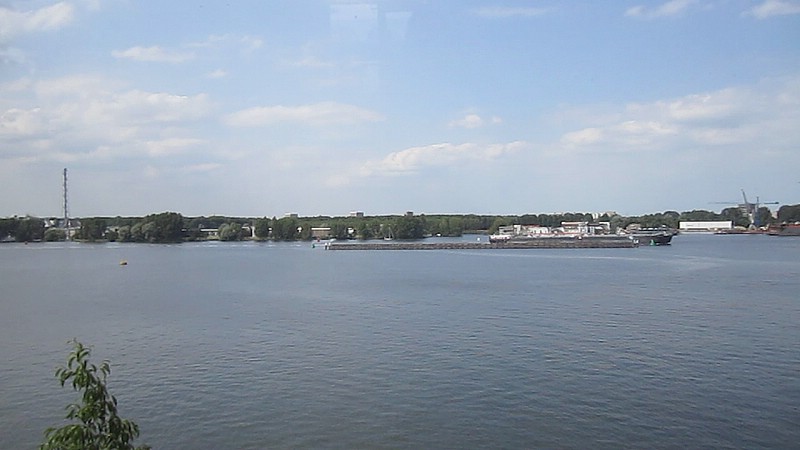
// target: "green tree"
[[168, 227], [364, 230], [500, 222], [29, 229], [150, 232], [230, 232], [789, 213], [91, 229], [55, 234], [8, 228], [112, 235], [409, 227], [137, 234], [97, 427], [285, 229], [124, 233], [699, 215], [763, 217], [455, 226], [340, 230], [262, 228], [735, 215]]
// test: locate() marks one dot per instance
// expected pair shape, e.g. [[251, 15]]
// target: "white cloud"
[[83, 86], [669, 9], [324, 113], [171, 146], [166, 107], [245, 43], [204, 167], [705, 107], [224, 43], [152, 54], [250, 43], [10, 55], [309, 62], [586, 136], [472, 120], [446, 154], [48, 119], [468, 121], [771, 8], [53, 17], [19, 85], [20, 122], [740, 116], [502, 12], [92, 5], [217, 74]]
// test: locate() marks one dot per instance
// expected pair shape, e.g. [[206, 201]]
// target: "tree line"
[[173, 227]]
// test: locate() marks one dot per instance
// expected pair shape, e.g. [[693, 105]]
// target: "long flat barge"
[[526, 244]]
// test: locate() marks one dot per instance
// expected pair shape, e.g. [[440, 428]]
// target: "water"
[[249, 346]]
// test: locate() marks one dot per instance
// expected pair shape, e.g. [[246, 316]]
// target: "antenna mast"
[[66, 210]]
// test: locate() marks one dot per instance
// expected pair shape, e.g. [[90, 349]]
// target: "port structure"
[[66, 205], [748, 208]]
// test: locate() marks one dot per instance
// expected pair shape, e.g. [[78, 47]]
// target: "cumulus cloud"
[[468, 121], [446, 154], [770, 8], [502, 12], [20, 122], [324, 113], [217, 74], [153, 54], [244, 43], [473, 121], [171, 146], [669, 9], [308, 62], [46, 117], [204, 167], [226, 43], [742, 115], [53, 17]]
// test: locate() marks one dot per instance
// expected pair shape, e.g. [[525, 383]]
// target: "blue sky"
[[258, 108]]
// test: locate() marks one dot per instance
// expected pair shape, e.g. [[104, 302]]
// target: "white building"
[[708, 226]]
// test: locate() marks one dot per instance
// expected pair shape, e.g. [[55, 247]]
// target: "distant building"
[[596, 215], [320, 232], [575, 227], [706, 226], [210, 233], [358, 214], [566, 229]]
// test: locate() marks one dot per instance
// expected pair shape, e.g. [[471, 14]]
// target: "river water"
[[250, 346]]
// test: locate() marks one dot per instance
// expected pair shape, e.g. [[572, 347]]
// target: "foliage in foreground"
[[98, 426]]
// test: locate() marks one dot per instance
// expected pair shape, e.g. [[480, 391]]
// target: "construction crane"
[[750, 209]]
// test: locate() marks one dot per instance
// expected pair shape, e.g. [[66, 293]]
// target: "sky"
[[323, 107]]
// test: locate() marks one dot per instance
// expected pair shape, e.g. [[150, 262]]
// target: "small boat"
[[123, 263], [653, 236]]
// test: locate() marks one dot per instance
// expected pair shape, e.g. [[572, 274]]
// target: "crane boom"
[[750, 209]]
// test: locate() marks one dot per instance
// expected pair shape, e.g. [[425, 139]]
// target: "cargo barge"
[[615, 242], [791, 229]]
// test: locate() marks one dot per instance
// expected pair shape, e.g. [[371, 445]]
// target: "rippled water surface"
[[249, 346]]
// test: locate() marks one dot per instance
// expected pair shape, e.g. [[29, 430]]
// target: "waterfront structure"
[[705, 226], [66, 210], [320, 232]]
